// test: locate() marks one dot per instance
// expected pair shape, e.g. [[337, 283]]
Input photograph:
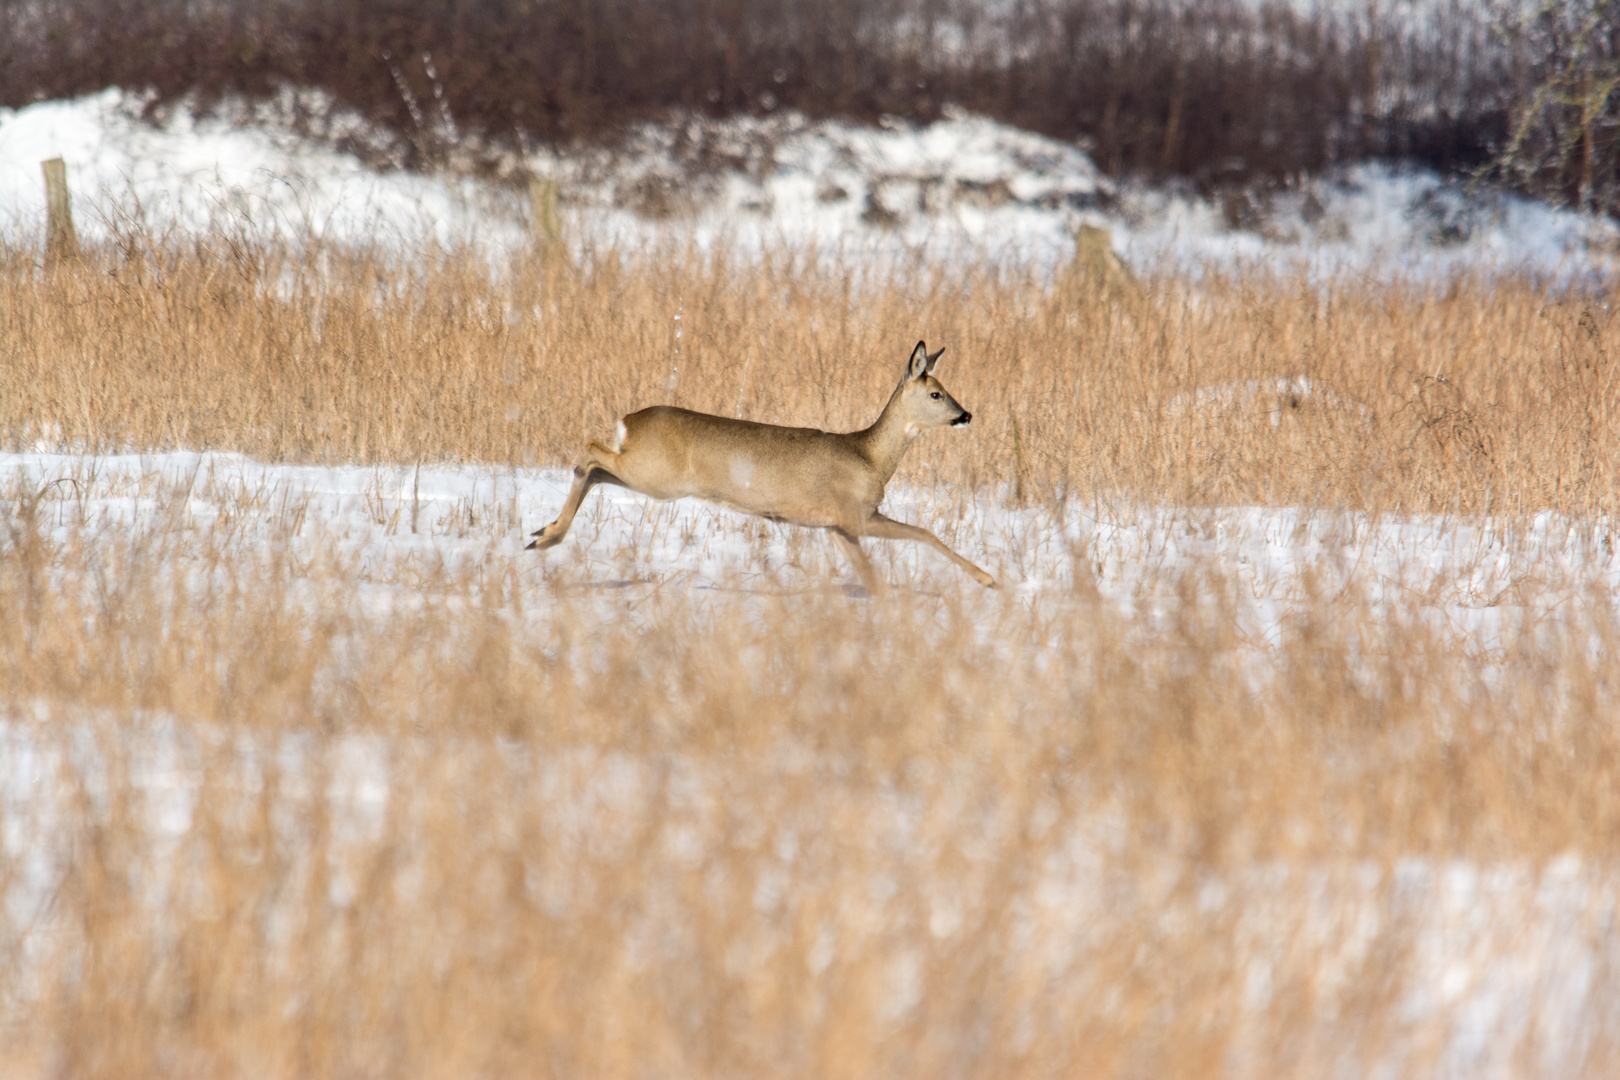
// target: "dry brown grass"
[[508, 829], [1476, 399]]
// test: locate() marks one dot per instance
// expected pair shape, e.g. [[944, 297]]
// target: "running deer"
[[804, 476]]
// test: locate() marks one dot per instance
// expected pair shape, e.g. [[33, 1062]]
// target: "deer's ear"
[[932, 360], [918, 365]]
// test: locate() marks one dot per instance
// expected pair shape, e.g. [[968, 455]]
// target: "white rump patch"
[[619, 433]]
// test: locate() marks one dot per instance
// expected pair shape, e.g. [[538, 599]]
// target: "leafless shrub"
[[1219, 91], [1565, 139]]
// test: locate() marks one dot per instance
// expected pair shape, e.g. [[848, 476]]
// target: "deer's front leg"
[[888, 529]]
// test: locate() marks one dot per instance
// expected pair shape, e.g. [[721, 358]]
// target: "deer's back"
[[804, 475]]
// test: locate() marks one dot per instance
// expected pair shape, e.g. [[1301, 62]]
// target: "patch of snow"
[[1379, 222], [1271, 397]]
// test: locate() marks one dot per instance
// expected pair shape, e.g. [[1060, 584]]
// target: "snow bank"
[[962, 187], [193, 173]]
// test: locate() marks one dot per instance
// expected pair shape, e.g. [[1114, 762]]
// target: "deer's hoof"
[[545, 538]]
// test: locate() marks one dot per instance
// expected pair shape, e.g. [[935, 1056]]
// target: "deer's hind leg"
[[595, 467], [863, 565]]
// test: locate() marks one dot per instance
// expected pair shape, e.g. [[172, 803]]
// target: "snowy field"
[[964, 187], [1504, 963], [1478, 577]]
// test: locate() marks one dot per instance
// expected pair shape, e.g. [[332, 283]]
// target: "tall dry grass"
[[1476, 398], [254, 822]]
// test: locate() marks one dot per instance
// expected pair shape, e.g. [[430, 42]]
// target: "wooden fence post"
[[543, 213], [61, 242], [1097, 267]]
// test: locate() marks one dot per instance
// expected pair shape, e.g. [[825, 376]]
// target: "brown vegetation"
[[1468, 399], [497, 826]]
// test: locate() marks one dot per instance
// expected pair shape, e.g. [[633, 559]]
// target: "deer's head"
[[924, 402]]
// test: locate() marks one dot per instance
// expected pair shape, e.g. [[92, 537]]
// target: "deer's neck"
[[887, 440]]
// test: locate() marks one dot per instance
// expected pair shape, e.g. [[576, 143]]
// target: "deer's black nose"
[[965, 418]]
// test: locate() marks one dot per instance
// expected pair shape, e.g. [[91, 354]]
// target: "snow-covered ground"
[[197, 173], [1499, 959], [962, 187], [1478, 577]]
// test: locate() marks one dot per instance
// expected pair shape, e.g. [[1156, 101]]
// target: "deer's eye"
[[935, 395]]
